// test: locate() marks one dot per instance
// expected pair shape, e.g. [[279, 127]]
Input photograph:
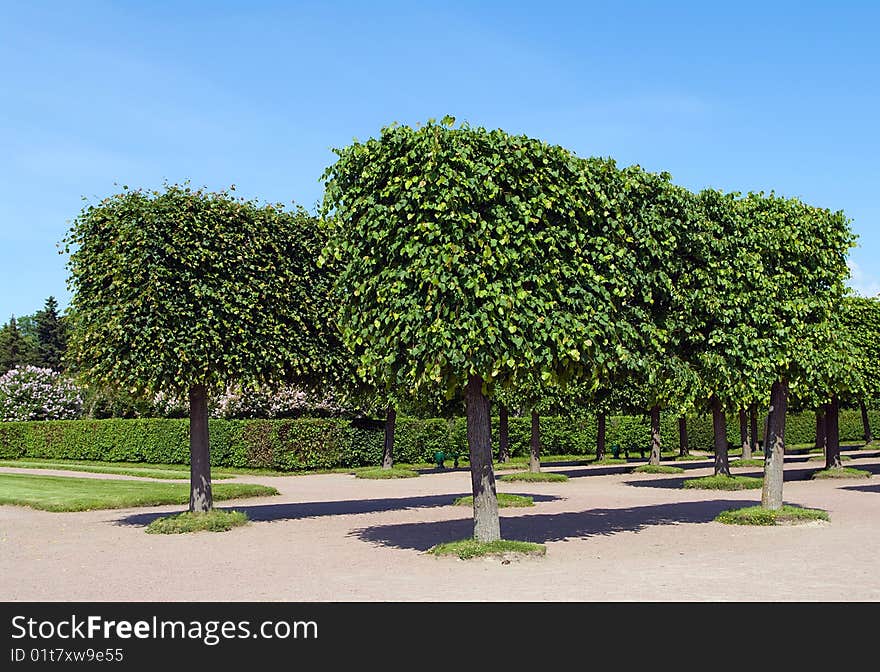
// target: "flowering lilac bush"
[[32, 393], [238, 402]]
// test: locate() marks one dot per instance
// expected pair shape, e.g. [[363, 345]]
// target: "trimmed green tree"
[[472, 258], [803, 253], [185, 291]]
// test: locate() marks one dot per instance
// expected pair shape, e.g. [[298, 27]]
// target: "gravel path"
[[609, 536]]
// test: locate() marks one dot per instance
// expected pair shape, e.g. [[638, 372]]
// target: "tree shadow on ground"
[[863, 488], [293, 511], [542, 528], [756, 472]]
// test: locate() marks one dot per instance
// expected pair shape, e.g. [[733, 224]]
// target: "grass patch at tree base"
[[67, 493], [504, 500], [534, 477], [841, 472], [721, 482], [379, 473], [215, 520], [657, 469], [748, 462], [471, 548], [758, 515]]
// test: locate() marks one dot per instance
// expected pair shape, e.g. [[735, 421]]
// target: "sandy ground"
[[610, 536]]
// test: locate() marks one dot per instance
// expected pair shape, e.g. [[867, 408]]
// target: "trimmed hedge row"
[[324, 443]]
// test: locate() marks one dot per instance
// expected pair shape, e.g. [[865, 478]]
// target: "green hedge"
[[318, 443]]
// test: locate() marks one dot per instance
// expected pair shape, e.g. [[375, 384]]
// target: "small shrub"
[[721, 482], [658, 469], [379, 473], [758, 515], [534, 477], [471, 548], [504, 500], [212, 521]]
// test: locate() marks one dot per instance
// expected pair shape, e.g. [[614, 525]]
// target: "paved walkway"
[[609, 536]]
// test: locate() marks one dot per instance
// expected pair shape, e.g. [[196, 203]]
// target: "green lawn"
[[63, 493], [166, 471]]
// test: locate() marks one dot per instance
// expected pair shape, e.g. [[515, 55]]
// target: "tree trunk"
[[866, 424], [388, 447], [774, 446], [655, 436], [766, 433], [821, 431], [479, 434], [744, 434], [753, 428], [832, 434], [683, 448], [200, 497], [719, 427], [600, 435], [535, 444], [503, 434]]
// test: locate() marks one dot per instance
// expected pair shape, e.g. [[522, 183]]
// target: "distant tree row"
[[34, 340]]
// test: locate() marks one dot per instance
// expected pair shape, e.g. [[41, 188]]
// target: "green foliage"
[[657, 469], [861, 324], [51, 332], [534, 477], [14, 349], [802, 281], [504, 500], [841, 472], [63, 493], [379, 473], [758, 515], [469, 251], [471, 548], [182, 287], [722, 482], [215, 520]]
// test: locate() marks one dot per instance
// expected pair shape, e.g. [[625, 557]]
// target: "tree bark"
[[503, 434], [200, 497], [535, 444], [683, 448], [744, 434], [600, 435], [655, 436], [487, 527], [753, 428], [719, 427], [774, 446], [832, 434], [766, 433], [866, 423], [821, 432], [388, 447]]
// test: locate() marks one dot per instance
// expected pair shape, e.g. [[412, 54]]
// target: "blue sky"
[[739, 96]]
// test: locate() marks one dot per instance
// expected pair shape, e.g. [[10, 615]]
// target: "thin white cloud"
[[863, 282]]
